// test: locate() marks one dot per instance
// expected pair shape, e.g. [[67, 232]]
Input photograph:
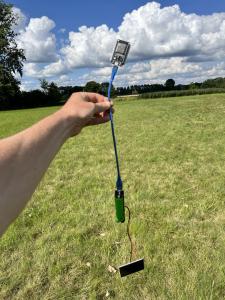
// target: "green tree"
[[194, 86], [104, 89], [53, 96], [44, 85], [51, 92], [214, 83], [11, 58], [169, 84], [92, 86]]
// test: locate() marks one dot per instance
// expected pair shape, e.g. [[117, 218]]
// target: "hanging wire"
[[128, 233], [119, 183]]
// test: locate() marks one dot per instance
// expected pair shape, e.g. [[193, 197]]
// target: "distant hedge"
[[177, 93]]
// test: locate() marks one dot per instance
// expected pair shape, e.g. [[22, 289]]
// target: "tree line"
[[49, 93]]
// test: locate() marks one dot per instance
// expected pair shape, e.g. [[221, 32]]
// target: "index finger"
[[94, 97]]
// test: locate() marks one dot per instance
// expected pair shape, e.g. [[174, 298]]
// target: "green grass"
[[172, 154]]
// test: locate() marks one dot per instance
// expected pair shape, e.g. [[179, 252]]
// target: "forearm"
[[24, 158]]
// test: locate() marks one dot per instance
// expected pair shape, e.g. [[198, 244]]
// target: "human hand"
[[85, 109]]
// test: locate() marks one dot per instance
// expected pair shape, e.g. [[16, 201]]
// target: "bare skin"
[[25, 156]]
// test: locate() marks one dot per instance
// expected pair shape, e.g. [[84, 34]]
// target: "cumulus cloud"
[[154, 33], [28, 85], [165, 42], [148, 71], [38, 41], [161, 32], [20, 19], [90, 47]]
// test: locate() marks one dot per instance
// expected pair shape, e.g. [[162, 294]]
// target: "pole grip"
[[119, 205]]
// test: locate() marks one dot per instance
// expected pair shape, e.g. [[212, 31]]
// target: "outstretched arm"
[[25, 157]]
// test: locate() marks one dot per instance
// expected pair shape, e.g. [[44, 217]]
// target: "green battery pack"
[[119, 205]]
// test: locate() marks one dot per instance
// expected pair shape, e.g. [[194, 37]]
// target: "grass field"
[[172, 154]]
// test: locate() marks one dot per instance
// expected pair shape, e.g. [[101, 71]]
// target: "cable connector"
[[119, 184]]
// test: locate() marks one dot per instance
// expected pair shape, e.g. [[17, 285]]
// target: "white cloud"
[[32, 70], [28, 85], [165, 42], [158, 71], [156, 32], [38, 41], [90, 47], [153, 32], [148, 71], [65, 80], [20, 19]]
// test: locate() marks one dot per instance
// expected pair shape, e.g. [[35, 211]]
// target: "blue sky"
[[51, 34]]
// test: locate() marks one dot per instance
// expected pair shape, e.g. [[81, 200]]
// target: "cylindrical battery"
[[119, 204]]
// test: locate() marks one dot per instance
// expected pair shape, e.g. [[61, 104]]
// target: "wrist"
[[69, 122]]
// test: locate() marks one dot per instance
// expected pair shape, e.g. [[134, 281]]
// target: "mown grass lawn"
[[172, 154]]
